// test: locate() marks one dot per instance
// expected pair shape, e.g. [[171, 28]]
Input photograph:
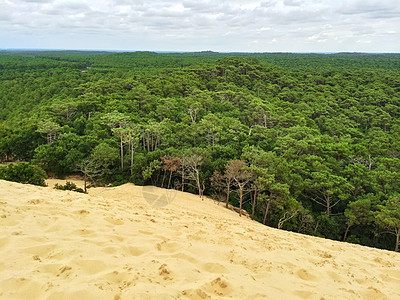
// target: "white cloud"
[[253, 25], [292, 2], [378, 8]]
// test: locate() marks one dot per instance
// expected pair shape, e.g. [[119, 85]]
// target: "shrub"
[[23, 172], [69, 186]]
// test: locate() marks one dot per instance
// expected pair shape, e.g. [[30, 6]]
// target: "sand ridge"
[[137, 242]]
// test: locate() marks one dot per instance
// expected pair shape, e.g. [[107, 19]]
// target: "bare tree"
[[90, 171], [305, 221], [254, 202], [236, 169], [222, 182], [289, 214], [183, 174], [192, 162], [228, 183], [193, 111], [218, 183]]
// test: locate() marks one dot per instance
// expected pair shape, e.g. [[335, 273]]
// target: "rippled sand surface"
[[132, 242]]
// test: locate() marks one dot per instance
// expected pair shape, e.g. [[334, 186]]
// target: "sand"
[[132, 242]]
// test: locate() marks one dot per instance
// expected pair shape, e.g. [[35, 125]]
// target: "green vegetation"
[[24, 173], [303, 142], [68, 186]]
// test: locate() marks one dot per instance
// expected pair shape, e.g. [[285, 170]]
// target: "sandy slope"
[[127, 243]]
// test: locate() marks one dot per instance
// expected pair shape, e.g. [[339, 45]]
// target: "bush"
[[23, 172], [353, 239], [69, 186]]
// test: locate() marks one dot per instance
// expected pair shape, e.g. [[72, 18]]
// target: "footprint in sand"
[[136, 250], [384, 262], [169, 247], [195, 294], [215, 268], [303, 294], [20, 288], [165, 272], [64, 271], [147, 232], [374, 293], [305, 275], [89, 266], [390, 276], [185, 257], [109, 250], [82, 212], [218, 287], [83, 231], [335, 277], [34, 202], [4, 241], [114, 221], [324, 254]]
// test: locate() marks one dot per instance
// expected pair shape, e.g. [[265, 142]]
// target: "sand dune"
[[133, 242]]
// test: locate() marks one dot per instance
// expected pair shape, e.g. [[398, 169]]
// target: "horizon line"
[[194, 51]]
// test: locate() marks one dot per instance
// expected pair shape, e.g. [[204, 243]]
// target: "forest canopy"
[[303, 142]]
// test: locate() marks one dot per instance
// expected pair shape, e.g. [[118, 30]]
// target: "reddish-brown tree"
[[171, 164]]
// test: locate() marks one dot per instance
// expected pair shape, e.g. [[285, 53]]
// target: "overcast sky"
[[174, 25]]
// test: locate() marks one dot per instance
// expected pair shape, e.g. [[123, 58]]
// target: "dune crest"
[[141, 242]]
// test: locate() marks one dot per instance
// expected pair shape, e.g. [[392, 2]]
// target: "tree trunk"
[[163, 178], [227, 194], [84, 182], [397, 240], [316, 227], [148, 142], [240, 199], [300, 225], [254, 204], [198, 182], [122, 154], [183, 178], [266, 212], [328, 205], [279, 223], [131, 158], [346, 232], [369, 162], [169, 181]]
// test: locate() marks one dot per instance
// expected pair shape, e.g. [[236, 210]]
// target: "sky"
[[223, 26]]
